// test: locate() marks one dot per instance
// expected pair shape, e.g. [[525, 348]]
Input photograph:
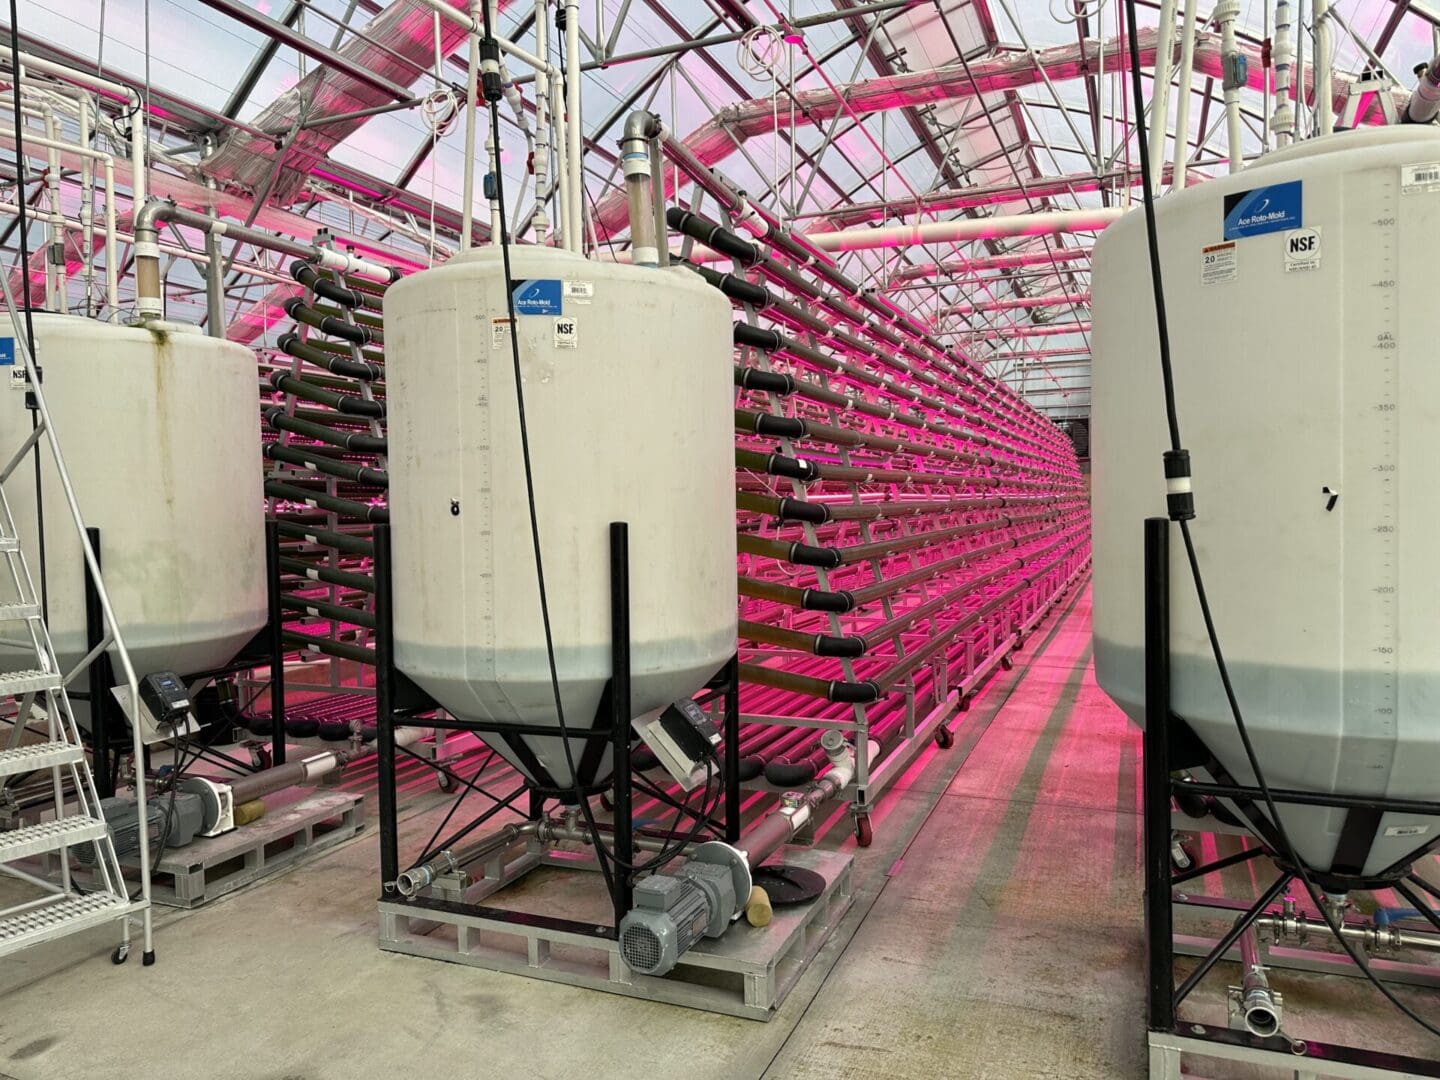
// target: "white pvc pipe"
[[1160, 97], [472, 109], [470, 22], [562, 163], [1226, 12], [543, 133], [112, 290], [575, 160], [964, 229], [1282, 118], [1186, 86], [1324, 97]]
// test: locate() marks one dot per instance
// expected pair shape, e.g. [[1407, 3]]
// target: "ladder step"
[[18, 612], [32, 680], [56, 919], [45, 755], [49, 836]]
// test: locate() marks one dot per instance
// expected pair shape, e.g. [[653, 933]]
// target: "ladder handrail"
[[22, 348]]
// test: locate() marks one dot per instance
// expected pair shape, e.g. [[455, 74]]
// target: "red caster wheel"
[[262, 757], [944, 738], [1007, 662], [863, 835]]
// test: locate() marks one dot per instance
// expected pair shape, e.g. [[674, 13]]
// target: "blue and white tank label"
[[539, 296], [1274, 208]]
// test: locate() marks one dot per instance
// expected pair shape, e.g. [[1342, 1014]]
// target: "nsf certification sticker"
[[1218, 263], [567, 334], [1302, 250], [1424, 176]]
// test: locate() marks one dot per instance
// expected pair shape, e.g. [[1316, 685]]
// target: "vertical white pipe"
[[112, 279], [562, 164], [1226, 12], [542, 121], [87, 207], [1282, 120], [55, 298], [1182, 106], [574, 133], [1324, 96], [1297, 75], [472, 109], [1160, 95]]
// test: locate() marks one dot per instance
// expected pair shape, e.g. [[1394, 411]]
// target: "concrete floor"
[[996, 933]]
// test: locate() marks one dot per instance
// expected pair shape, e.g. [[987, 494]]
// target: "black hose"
[[347, 507], [323, 287], [278, 419], [345, 403], [713, 235], [291, 345], [324, 463], [300, 311]]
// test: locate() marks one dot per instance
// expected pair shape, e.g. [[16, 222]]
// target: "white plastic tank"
[[628, 398], [161, 435], [1304, 325]]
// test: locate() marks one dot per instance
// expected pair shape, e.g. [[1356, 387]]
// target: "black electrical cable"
[[1158, 287]]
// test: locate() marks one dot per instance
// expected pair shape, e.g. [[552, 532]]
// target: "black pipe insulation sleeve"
[[712, 235], [810, 555], [792, 468], [803, 510], [278, 419], [784, 773], [291, 345], [774, 382], [323, 287], [298, 310], [735, 287], [784, 427], [839, 645], [757, 337], [347, 507], [848, 693], [838, 602], [323, 462], [750, 767], [345, 403]]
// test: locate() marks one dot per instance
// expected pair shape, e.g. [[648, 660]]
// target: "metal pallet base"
[[745, 973], [210, 867], [1166, 1052]]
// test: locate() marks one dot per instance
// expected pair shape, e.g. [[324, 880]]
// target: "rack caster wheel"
[[607, 802], [121, 954], [262, 757], [944, 738], [863, 834], [445, 782], [963, 704], [1007, 662]]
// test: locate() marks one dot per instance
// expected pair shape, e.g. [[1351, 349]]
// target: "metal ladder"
[[43, 708]]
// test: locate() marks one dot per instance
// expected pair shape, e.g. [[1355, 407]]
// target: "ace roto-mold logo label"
[[1276, 208], [538, 296]]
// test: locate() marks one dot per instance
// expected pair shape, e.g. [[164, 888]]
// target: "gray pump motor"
[[186, 819], [675, 910]]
